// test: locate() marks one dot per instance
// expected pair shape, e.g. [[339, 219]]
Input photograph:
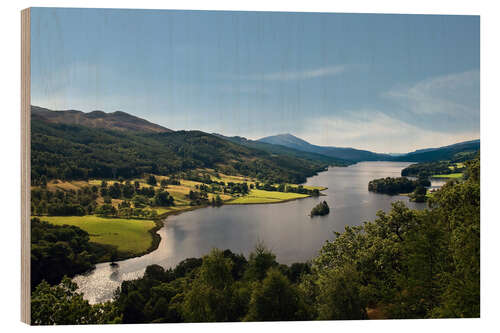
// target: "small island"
[[415, 189], [320, 209], [394, 186]]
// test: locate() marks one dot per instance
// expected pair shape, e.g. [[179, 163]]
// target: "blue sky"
[[388, 83]]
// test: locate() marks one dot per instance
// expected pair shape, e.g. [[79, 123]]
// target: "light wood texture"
[[25, 166]]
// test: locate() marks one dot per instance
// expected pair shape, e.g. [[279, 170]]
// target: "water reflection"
[[286, 228]]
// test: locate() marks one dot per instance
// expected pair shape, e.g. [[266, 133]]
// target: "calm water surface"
[[285, 228]]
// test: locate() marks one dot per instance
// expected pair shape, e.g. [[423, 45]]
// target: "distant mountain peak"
[[351, 154], [118, 120]]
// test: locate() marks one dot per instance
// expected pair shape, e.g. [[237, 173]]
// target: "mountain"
[[73, 151], [350, 154], [441, 153], [284, 150], [118, 120]]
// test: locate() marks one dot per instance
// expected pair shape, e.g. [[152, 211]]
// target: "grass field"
[[307, 187], [458, 165], [261, 196], [451, 175], [130, 236], [182, 203]]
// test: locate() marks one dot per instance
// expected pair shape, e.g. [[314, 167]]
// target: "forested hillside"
[[71, 152], [458, 152]]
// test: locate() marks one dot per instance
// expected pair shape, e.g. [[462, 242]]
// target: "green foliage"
[[457, 152], [130, 237], [260, 261], [396, 185], [427, 169], [406, 264], [217, 201], [414, 264], [151, 180], [63, 203], [320, 209], [62, 305], [60, 250], [69, 152], [442, 167], [163, 198], [275, 298], [210, 296], [419, 195], [339, 296], [198, 198]]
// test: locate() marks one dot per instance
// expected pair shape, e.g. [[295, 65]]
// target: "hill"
[[68, 151], [351, 154], [450, 152], [118, 120], [284, 150]]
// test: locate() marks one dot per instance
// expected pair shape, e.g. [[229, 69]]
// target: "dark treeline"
[[404, 264], [70, 152], [83, 201], [427, 169], [64, 203], [287, 188], [62, 250], [443, 167], [392, 186]]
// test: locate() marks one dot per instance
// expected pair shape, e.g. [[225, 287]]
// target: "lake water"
[[285, 228]]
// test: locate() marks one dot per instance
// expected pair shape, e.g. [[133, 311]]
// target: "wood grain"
[[25, 166]]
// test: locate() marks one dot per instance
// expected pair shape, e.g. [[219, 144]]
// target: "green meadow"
[[261, 196], [451, 175], [128, 235]]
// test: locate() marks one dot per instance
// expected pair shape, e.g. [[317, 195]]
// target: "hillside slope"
[[118, 120], [62, 151], [441, 153], [284, 150], [355, 155]]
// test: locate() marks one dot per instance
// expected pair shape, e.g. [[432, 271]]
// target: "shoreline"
[[276, 202], [162, 220]]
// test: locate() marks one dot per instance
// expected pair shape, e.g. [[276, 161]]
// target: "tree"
[[320, 209], [140, 201], [106, 210], [210, 296], [163, 198], [339, 295], [458, 209], [62, 305], [133, 308], [128, 190], [151, 180], [59, 250], [261, 259], [275, 299], [43, 181], [419, 194]]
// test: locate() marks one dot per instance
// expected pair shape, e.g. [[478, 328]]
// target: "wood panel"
[[25, 166]]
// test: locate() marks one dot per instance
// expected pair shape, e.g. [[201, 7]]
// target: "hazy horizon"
[[385, 83]]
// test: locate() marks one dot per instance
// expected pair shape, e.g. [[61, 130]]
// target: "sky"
[[386, 83]]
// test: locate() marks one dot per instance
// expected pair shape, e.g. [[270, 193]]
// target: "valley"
[[116, 200]]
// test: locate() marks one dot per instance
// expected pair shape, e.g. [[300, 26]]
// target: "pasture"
[[128, 235], [261, 196], [450, 176]]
